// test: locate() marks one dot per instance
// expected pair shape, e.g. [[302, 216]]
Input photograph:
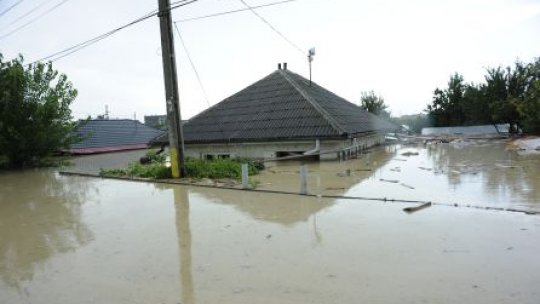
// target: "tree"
[[447, 108], [529, 109], [415, 122], [509, 95], [374, 104], [34, 110]]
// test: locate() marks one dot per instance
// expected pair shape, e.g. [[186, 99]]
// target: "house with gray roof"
[[111, 135], [280, 115]]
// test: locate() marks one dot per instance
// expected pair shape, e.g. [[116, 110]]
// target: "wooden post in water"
[[245, 176], [303, 179]]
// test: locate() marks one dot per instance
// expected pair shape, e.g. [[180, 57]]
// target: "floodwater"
[[479, 173], [70, 239]]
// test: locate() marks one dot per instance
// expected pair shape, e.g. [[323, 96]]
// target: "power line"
[[27, 13], [233, 11], [192, 64], [11, 7], [34, 20], [77, 47], [273, 28]]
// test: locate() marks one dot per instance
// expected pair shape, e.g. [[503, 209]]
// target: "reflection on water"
[[275, 208], [181, 203], [176, 244], [465, 173], [40, 216], [325, 177], [504, 175]]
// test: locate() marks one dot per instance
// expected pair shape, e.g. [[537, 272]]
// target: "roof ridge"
[[313, 103]]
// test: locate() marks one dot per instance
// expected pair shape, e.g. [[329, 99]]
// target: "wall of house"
[[268, 150]]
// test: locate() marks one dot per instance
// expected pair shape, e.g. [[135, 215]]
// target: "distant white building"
[[468, 130]]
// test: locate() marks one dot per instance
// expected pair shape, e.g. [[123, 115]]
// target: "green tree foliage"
[[509, 95], [415, 122], [374, 104], [34, 111], [447, 106]]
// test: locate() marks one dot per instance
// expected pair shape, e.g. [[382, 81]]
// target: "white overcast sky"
[[402, 50]]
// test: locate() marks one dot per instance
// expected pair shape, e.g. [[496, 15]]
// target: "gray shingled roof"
[[100, 133], [281, 106]]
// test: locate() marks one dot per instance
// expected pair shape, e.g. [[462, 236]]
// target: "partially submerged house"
[[111, 135], [280, 115]]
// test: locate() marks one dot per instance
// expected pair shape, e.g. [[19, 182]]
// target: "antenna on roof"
[[311, 53], [106, 116]]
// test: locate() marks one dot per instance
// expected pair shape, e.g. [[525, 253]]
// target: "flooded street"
[[66, 239], [478, 174]]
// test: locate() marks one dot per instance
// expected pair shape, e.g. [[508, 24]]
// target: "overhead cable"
[[77, 47], [273, 28], [233, 11], [27, 13], [33, 20], [192, 64], [11, 7]]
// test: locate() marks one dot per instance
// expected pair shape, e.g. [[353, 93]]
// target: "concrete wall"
[[267, 150]]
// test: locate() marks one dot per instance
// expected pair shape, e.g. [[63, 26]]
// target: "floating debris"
[[425, 169], [407, 186], [417, 208], [507, 166], [395, 181], [335, 188], [409, 153], [456, 251], [396, 169], [345, 174]]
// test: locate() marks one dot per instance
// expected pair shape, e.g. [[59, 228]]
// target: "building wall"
[[268, 150]]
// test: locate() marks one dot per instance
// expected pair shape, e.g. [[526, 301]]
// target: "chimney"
[[279, 66], [284, 65]]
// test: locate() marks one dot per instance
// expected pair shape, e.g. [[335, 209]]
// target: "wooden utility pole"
[[174, 120]]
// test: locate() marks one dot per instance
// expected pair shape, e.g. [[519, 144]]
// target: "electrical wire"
[[34, 20], [273, 28], [232, 12], [27, 13], [192, 64], [11, 7], [77, 47]]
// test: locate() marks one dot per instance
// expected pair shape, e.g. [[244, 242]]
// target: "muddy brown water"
[[476, 173], [83, 240]]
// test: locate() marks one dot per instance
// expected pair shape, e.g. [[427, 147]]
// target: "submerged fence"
[[422, 203]]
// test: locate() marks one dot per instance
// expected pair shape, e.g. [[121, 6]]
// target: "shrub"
[[219, 168], [195, 168], [154, 157]]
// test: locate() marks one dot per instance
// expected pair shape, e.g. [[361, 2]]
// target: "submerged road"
[[67, 239]]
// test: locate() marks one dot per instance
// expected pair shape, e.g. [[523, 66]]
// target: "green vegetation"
[[374, 104], [195, 168], [509, 95], [415, 122], [34, 110]]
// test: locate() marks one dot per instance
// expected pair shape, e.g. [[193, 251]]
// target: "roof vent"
[[279, 66], [284, 65]]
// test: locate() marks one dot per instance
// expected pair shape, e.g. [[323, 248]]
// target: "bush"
[[219, 168], [154, 157], [152, 170], [195, 168]]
